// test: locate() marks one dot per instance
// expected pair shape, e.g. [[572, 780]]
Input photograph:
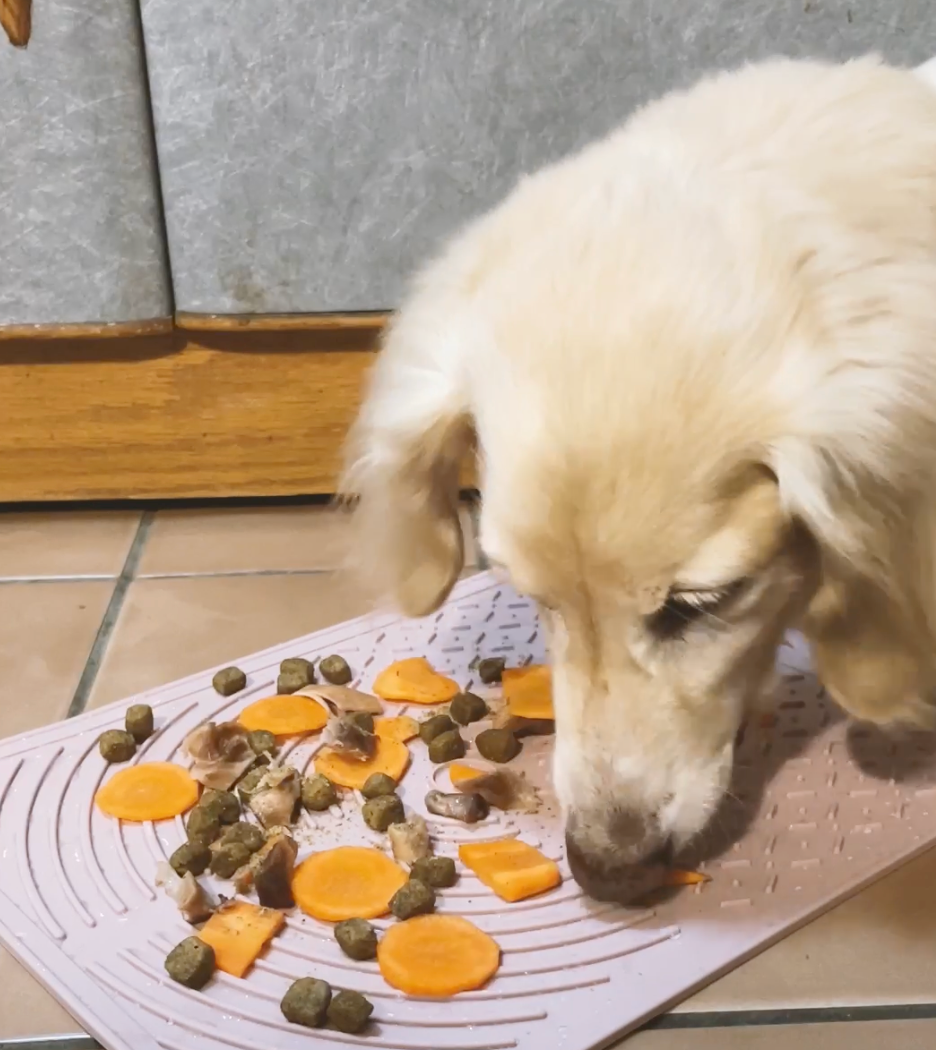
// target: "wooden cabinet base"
[[178, 415]]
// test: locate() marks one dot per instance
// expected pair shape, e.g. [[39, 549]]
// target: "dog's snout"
[[621, 838]]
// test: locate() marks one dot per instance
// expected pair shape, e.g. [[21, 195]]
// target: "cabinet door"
[[313, 152], [80, 228]]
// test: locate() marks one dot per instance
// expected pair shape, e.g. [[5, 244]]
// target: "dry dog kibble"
[[298, 665], [223, 804], [116, 745], [464, 807], [335, 669], [378, 784], [203, 825], [139, 722], [498, 745], [306, 1002], [379, 813], [349, 1012], [357, 939], [467, 708], [229, 681], [491, 669], [435, 726], [437, 872], [447, 747], [262, 742], [191, 963], [248, 784], [191, 857], [414, 898], [227, 858], [248, 835], [364, 720], [290, 682], [318, 793]]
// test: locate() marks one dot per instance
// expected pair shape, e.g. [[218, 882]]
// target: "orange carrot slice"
[[414, 681], [288, 715], [684, 878], [528, 691], [390, 757], [459, 773], [350, 882], [514, 870], [238, 932], [154, 791], [437, 955], [400, 729]]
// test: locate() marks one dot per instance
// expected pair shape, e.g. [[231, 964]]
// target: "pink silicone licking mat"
[[819, 809]]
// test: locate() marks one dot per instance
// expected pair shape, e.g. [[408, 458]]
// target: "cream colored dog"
[[700, 361]]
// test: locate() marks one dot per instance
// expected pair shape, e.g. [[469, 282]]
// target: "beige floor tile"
[[46, 633], [65, 543], [26, 1008], [171, 628], [853, 1035], [877, 948], [252, 539]]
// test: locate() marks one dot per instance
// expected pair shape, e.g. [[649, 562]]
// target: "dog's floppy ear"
[[403, 459]]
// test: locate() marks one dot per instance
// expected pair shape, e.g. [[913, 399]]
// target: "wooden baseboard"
[[180, 415], [242, 410]]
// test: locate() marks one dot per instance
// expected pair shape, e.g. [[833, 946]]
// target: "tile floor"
[[97, 605]]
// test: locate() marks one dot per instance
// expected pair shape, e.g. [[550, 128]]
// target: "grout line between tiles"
[[794, 1016], [101, 640]]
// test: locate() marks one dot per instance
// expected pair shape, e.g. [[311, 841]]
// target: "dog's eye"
[[683, 608]]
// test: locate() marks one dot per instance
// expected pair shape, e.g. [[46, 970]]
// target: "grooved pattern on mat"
[[817, 810]]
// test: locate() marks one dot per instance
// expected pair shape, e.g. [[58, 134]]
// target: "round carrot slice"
[[414, 681], [287, 715], [154, 791], [401, 728], [437, 955], [350, 882], [390, 757]]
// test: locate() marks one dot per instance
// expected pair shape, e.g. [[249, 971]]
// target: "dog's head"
[[688, 419]]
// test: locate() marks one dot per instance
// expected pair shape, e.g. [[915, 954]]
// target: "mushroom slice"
[[273, 871], [221, 754], [274, 801], [187, 893], [467, 808], [343, 699], [410, 840]]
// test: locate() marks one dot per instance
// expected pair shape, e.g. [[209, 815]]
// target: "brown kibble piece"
[[414, 898], [318, 793], [117, 745], [191, 857], [447, 747], [378, 784], [306, 1002], [228, 858], [247, 785], [191, 963], [229, 680], [203, 825], [357, 939], [498, 745], [139, 722], [223, 804], [349, 1012], [246, 834], [379, 813], [262, 742], [299, 665], [467, 708], [438, 872], [290, 682], [435, 726], [491, 668], [335, 669]]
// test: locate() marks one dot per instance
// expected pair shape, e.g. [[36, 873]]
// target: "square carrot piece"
[[514, 870], [528, 691], [238, 932]]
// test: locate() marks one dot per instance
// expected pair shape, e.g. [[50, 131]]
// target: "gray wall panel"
[[80, 231], [313, 151]]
